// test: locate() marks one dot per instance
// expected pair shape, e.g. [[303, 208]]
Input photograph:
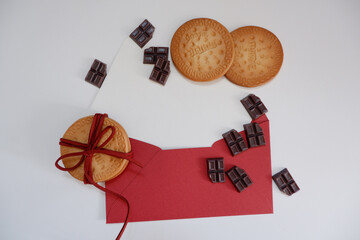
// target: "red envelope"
[[174, 184]]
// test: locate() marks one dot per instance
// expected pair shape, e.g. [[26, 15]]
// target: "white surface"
[[46, 48]]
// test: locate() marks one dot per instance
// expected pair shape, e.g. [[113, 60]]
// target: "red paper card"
[[174, 184]]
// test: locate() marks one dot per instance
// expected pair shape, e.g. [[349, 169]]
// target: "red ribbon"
[[89, 149]]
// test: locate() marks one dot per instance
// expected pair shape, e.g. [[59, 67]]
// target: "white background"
[[46, 48]]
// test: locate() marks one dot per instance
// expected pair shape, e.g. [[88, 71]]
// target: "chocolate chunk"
[[235, 142], [254, 135], [152, 54], [239, 178], [96, 74], [254, 106], [161, 71], [215, 168], [285, 182], [142, 34]]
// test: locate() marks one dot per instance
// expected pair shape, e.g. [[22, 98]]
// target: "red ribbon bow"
[[89, 149]]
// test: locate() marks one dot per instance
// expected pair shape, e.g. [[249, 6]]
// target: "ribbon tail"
[[116, 195]]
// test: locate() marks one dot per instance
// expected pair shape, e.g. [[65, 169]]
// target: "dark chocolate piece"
[[142, 34], [96, 74], [215, 168], [161, 71], [285, 182], [254, 106], [152, 54], [239, 178], [235, 142], [254, 135]]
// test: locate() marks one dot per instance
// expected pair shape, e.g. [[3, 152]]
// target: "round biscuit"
[[258, 56], [202, 49], [104, 167]]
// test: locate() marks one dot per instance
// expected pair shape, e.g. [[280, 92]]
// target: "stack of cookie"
[[203, 50], [104, 167]]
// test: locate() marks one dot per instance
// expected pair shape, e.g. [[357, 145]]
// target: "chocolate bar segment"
[[96, 74], [285, 182], [235, 142], [142, 34], [161, 71], [239, 178], [215, 168], [254, 106], [254, 135], [152, 54]]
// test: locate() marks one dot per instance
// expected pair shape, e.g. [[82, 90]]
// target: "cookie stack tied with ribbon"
[[203, 50], [104, 167], [96, 149]]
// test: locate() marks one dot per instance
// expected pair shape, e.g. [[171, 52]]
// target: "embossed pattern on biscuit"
[[104, 167], [202, 49], [258, 56]]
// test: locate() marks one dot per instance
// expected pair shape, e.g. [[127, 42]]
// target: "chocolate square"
[[235, 142], [161, 71], [152, 54], [254, 106], [142, 34], [254, 135], [96, 74], [285, 182], [215, 168], [239, 178]]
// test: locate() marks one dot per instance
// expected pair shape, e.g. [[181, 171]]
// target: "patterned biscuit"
[[104, 167], [258, 56], [202, 49]]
